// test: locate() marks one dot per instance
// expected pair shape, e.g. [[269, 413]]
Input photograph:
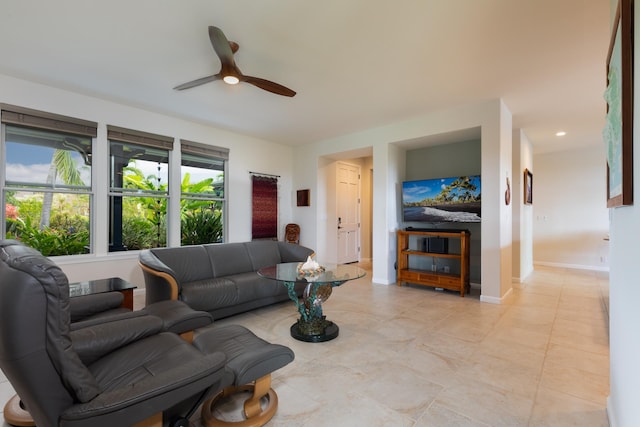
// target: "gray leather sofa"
[[219, 278]]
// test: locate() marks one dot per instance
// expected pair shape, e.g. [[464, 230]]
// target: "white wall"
[[494, 119], [522, 214], [570, 217], [506, 210], [624, 292], [366, 192], [246, 154]]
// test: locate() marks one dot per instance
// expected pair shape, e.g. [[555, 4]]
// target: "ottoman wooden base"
[[254, 415], [16, 415]]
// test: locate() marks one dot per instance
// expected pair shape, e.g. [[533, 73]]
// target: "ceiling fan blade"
[[223, 49], [198, 82], [268, 86]]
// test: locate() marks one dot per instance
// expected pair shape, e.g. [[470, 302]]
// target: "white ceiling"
[[355, 64]]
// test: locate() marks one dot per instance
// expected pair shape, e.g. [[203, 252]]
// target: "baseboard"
[[521, 279], [496, 300], [572, 266], [611, 412], [381, 282]]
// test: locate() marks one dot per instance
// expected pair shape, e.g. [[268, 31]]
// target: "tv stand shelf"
[[437, 279]]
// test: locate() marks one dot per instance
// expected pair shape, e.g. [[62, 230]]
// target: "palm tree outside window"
[[48, 190]]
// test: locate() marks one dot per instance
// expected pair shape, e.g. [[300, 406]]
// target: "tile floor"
[[413, 357]]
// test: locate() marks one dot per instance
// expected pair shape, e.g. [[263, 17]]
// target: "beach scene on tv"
[[454, 199]]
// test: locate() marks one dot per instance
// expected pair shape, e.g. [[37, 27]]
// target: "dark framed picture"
[[302, 197], [528, 187], [618, 131]]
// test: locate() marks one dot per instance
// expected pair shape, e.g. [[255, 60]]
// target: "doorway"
[[348, 212]]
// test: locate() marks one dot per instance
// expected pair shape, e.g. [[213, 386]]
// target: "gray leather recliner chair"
[[129, 373]]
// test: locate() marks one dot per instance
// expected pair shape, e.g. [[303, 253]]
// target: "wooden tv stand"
[[409, 247]]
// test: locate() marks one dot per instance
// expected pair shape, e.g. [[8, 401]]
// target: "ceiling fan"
[[229, 72]]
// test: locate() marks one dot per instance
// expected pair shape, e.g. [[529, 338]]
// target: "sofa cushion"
[[189, 263], [251, 286], [228, 258], [263, 253], [210, 294]]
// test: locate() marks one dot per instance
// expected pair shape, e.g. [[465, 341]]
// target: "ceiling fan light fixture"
[[231, 80], [229, 71]]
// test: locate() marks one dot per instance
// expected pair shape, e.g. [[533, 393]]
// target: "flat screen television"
[[452, 199]]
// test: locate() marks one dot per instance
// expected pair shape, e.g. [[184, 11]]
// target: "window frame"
[[135, 138], [41, 121], [206, 152]]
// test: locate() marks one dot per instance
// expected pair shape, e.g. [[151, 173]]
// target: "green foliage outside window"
[[49, 241], [144, 224], [57, 223], [201, 226]]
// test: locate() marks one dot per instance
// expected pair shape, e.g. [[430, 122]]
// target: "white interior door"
[[348, 210]]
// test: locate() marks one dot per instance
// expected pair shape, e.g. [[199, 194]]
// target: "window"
[[49, 186], [46, 184], [202, 200], [138, 189]]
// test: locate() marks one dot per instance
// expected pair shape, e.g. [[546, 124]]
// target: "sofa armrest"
[[160, 280], [85, 306], [291, 252], [111, 316], [178, 317]]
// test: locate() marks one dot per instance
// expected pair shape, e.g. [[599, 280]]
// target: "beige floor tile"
[[523, 336], [487, 404], [447, 346], [405, 391], [553, 409], [411, 356], [532, 299], [529, 318], [503, 374], [599, 315], [575, 382], [596, 343], [570, 357], [438, 415], [436, 367], [541, 288], [358, 411], [464, 328], [588, 328], [520, 354]]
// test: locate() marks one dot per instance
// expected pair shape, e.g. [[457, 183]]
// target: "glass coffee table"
[[312, 326]]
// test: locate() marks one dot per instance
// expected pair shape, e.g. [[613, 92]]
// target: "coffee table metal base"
[[330, 332]]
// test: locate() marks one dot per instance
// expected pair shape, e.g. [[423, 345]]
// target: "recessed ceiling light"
[[561, 133]]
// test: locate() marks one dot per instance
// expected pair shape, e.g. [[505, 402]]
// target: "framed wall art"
[[302, 198], [528, 187], [618, 131]]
